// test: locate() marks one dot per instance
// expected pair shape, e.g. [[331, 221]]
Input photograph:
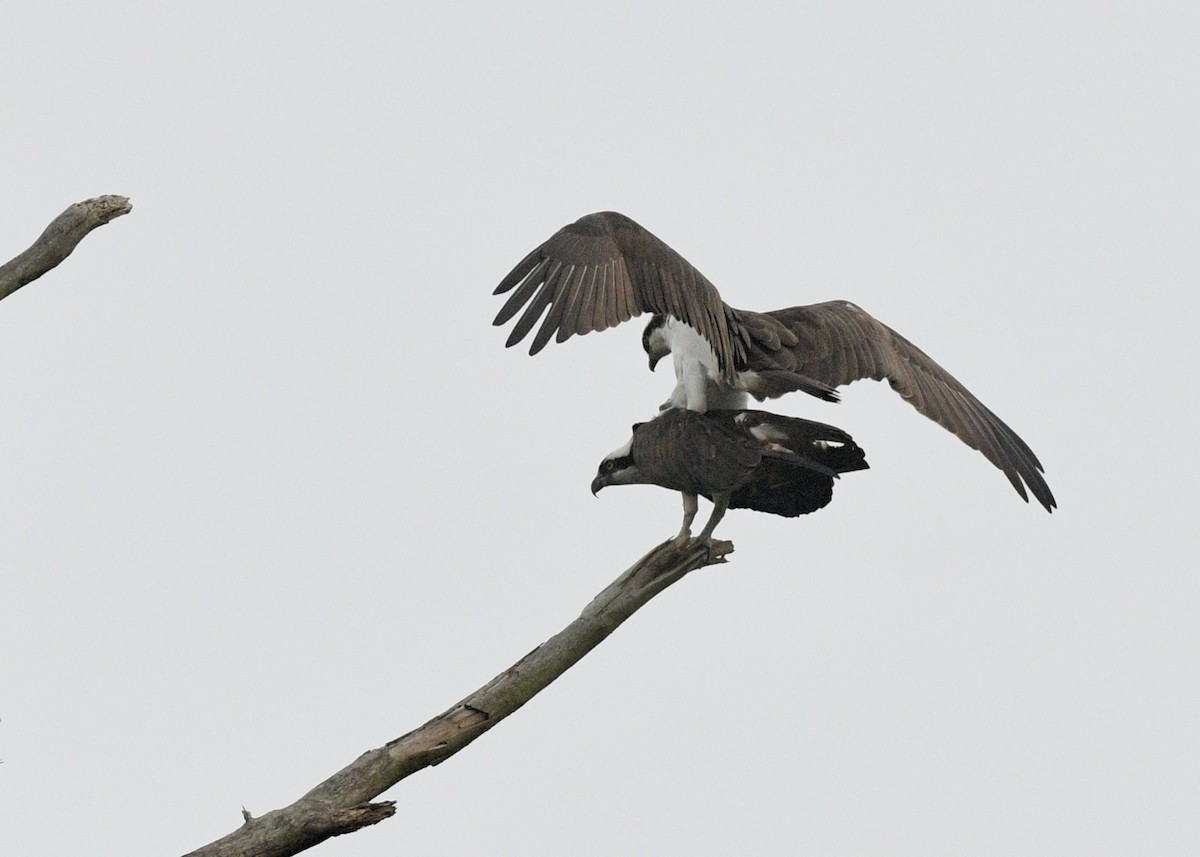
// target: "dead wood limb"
[[59, 239], [341, 804]]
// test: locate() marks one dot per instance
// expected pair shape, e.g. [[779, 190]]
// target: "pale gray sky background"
[[274, 492]]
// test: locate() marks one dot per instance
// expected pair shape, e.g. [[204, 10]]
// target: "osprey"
[[738, 459], [605, 268]]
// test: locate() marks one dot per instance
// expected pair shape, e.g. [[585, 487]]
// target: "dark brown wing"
[[604, 269], [688, 451], [839, 342], [800, 461]]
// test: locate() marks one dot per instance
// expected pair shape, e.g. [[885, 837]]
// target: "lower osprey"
[[738, 459]]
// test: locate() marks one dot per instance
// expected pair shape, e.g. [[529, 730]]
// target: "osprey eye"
[[609, 465]]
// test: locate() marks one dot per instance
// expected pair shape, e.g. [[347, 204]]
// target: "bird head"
[[654, 340], [617, 468]]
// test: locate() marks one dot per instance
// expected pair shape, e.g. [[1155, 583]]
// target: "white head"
[[617, 468]]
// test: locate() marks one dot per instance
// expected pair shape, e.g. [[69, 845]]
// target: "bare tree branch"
[[59, 239], [341, 804]]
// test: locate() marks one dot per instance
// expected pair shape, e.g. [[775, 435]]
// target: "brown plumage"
[[605, 268], [738, 459]]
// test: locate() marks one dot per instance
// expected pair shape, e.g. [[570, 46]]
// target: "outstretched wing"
[[604, 269], [839, 342]]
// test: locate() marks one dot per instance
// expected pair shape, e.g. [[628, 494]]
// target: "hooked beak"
[[598, 483], [654, 358]]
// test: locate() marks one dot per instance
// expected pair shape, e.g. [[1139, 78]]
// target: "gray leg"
[[720, 504], [690, 505]]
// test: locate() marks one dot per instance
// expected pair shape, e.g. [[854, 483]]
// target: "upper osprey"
[[605, 268]]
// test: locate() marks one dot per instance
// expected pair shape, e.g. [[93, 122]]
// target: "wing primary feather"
[[535, 308], [517, 274], [518, 298], [562, 297]]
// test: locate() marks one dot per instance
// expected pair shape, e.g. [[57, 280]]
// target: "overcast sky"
[[274, 493]]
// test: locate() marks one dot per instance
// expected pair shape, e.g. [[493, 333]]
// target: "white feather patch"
[[687, 343], [622, 452]]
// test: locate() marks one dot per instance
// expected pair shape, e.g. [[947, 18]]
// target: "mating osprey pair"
[[605, 268]]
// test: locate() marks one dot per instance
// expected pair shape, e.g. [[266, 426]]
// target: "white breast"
[[688, 346], [699, 386]]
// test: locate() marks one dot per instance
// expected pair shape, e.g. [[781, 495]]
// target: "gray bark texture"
[[342, 803], [59, 239]]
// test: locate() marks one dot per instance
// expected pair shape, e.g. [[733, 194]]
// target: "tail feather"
[[801, 458], [773, 383]]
